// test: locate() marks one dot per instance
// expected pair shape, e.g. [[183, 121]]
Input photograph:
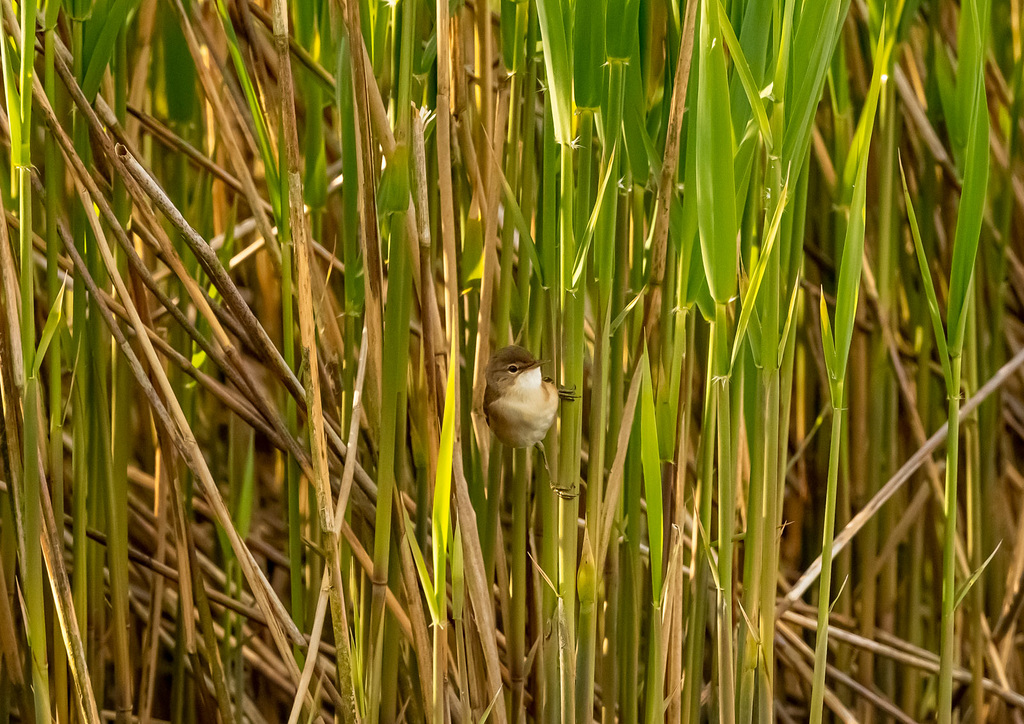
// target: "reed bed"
[[255, 258]]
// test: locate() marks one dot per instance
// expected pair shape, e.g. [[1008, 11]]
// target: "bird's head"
[[511, 366]]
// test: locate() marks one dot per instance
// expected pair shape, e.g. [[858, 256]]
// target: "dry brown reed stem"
[[905, 654], [479, 587], [373, 275], [13, 374], [616, 476], [311, 372], [251, 327], [173, 419], [799, 647], [794, 651], [896, 482], [207, 258], [233, 366], [243, 406], [667, 178], [491, 276], [53, 553], [211, 90]]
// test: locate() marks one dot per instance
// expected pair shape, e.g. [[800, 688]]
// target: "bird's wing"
[[490, 395]]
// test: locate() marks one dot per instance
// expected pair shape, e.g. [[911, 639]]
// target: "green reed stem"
[[825, 584], [947, 657], [726, 512]]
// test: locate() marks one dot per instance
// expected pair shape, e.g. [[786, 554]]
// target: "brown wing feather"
[[490, 395]]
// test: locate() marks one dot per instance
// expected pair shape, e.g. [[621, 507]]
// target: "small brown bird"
[[520, 404]]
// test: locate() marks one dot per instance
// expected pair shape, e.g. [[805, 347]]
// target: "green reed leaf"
[[622, 28], [966, 587], [750, 298], [441, 517], [422, 572], [52, 320], [929, 287], [828, 343], [588, 234], [739, 61], [108, 18], [970, 216], [652, 475], [558, 68], [716, 193], [588, 53]]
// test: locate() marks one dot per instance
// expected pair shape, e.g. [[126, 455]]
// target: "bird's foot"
[[544, 458], [564, 493], [568, 393]]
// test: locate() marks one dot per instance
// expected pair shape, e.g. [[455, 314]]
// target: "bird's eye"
[[513, 369]]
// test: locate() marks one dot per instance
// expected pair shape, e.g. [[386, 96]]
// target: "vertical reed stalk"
[[825, 584], [947, 652]]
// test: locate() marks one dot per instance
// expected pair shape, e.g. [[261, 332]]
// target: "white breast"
[[527, 409]]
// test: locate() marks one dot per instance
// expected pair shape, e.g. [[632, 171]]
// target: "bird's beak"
[[537, 363]]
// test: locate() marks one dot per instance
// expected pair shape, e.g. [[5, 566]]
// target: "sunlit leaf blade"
[[862, 136], [652, 475], [790, 316], [848, 289], [827, 342], [621, 316], [970, 53], [441, 516]]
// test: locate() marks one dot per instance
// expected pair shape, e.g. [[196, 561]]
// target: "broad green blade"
[[716, 194], [588, 53], [622, 27], [554, 37]]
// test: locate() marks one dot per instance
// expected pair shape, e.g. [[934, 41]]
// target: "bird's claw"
[[568, 393], [564, 493]]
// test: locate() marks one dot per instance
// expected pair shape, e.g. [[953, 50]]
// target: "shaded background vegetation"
[[255, 258]]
